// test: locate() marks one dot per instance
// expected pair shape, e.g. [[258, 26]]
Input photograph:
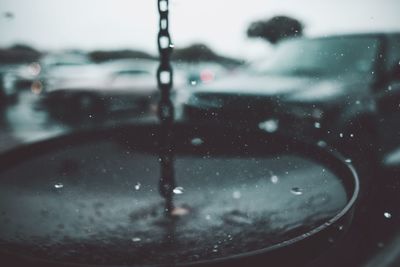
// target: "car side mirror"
[[395, 72]]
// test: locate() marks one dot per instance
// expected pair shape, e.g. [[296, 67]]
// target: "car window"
[[393, 52], [331, 56]]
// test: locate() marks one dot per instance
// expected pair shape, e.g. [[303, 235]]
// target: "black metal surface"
[[220, 141]]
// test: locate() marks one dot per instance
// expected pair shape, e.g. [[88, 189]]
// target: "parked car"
[[38, 75], [118, 87], [343, 90]]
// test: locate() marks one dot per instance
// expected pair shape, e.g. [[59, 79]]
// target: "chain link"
[[165, 107]]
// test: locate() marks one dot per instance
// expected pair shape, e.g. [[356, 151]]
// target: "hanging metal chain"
[[165, 107]]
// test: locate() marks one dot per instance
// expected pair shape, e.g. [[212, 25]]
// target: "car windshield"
[[329, 56]]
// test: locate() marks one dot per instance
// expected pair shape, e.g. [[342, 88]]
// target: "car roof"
[[359, 35]]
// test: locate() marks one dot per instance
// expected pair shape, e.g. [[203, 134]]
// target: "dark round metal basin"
[[91, 198]]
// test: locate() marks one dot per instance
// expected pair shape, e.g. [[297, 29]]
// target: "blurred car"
[[342, 90], [120, 86], [202, 72], [36, 76]]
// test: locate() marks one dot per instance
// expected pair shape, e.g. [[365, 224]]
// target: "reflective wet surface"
[[103, 197]]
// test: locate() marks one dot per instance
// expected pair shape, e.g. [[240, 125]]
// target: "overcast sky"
[[108, 24]]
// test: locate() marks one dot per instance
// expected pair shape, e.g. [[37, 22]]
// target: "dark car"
[[342, 90]]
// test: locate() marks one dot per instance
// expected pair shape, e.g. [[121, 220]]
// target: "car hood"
[[287, 88]]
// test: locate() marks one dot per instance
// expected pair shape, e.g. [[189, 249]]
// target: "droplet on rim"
[[178, 190], [348, 160], [296, 191], [136, 239], [58, 186]]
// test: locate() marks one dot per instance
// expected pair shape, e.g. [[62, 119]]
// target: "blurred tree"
[[19, 53], [101, 56], [201, 53], [275, 29]]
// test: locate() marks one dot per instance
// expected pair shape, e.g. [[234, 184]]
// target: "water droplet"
[[193, 82], [197, 141], [136, 239], [236, 195], [351, 135], [274, 179], [341, 227], [58, 186], [358, 102], [296, 191], [171, 45], [341, 135], [208, 217], [178, 190], [348, 160], [269, 126], [322, 143], [317, 125], [387, 215], [137, 186]]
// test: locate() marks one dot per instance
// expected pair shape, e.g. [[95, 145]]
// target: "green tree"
[[275, 29]]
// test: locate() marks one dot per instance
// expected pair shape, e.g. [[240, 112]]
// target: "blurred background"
[[49, 48], [325, 71]]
